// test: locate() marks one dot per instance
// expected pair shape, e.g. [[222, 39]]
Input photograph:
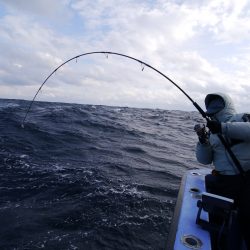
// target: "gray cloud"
[[52, 9], [166, 34]]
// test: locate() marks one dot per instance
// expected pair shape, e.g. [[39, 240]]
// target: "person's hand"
[[202, 133], [214, 127], [214, 172]]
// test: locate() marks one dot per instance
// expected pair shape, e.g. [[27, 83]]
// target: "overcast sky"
[[202, 45]]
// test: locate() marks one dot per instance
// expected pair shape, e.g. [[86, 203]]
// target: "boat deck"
[[185, 233]]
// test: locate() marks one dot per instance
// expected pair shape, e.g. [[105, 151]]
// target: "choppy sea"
[[91, 177]]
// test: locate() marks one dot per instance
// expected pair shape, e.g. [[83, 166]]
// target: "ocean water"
[[91, 177]]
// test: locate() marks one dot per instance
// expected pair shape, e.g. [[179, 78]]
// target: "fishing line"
[[107, 53], [143, 64]]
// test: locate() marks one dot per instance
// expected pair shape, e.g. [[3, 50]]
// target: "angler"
[[226, 180]]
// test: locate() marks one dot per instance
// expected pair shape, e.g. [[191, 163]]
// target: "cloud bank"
[[202, 45]]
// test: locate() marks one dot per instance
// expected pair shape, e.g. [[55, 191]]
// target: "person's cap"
[[214, 104]]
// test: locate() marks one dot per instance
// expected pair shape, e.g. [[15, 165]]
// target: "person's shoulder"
[[246, 117], [241, 117]]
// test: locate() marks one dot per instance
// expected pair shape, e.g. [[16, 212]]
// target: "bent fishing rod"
[[200, 110], [118, 54]]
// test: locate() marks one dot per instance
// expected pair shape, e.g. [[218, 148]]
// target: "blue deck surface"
[[188, 211]]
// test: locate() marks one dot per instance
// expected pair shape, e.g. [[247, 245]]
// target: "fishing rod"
[[118, 54], [200, 110]]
